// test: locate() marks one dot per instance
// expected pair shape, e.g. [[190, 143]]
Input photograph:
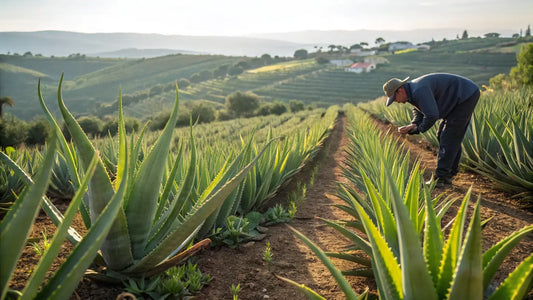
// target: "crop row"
[[149, 198], [397, 231]]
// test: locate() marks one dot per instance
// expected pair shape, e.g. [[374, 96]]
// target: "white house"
[[362, 52], [341, 62], [361, 67]]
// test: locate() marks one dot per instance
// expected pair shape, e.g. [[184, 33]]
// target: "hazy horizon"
[[242, 18]]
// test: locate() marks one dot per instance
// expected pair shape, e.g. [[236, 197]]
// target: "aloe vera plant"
[[15, 227], [152, 225]]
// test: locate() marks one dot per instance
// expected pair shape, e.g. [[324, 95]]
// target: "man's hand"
[[407, 128]]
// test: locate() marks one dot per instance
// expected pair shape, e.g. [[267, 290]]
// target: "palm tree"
[[5, 100]]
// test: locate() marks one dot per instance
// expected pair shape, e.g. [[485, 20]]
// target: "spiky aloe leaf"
[[37, 277], [468, 278], [386, 268], [451, 249], [70, 272], [433, 241], [356, 258], [355, 238], [414, 269], [190, 222], [493, 258], [383, 215], [518, 284], [307, 291], [142, 200], [16, 225], [116, 248], [343, 284]]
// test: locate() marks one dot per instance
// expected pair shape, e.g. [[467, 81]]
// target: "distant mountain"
[[140, 53], [348, 38], [64, 43]]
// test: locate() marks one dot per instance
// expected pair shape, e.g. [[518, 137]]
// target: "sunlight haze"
[[239, 17]]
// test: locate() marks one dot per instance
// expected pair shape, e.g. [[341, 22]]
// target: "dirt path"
[[291, 258]]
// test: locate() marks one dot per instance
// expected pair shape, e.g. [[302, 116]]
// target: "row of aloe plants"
[[397, 234], [161, 201], [498, 142]]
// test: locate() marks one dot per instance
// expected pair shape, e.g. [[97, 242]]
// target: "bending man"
[[449, 97]]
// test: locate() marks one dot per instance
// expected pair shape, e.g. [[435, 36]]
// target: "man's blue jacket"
[[435, 95]]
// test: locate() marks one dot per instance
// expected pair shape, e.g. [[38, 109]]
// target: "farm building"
[[341, 62], [361, 67]]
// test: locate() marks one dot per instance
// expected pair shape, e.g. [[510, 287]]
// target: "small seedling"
[[46, 244], [235, 291], [267, 254]]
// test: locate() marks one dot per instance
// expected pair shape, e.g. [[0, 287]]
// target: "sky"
[[244, 17]]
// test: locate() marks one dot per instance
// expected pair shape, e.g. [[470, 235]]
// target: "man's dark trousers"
[[450, 135]]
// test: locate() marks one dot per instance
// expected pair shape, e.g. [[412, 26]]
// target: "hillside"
[[91, 82]]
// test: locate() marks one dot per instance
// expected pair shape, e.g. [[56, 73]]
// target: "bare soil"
[[291, 258]]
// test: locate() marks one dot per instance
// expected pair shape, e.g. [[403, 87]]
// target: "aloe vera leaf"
[[452, 248], [343, 284], [518, 284], [191, 221], [122, 147], [142, 203], [356, 258], [432, 241], [359, 242], [386, 268], [74, 237], [37, 277], [493, 258], [16, 225], [116, 248], [71, 271], [468, 278], [414, 269], [307, 291], [385, 220], [176, 206]]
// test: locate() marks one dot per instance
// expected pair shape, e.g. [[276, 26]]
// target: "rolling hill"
[[92, 82]]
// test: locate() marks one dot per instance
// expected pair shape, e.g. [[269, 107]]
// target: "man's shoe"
[[441, 182]]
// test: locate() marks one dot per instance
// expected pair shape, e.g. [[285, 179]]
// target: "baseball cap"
[[390, 88]]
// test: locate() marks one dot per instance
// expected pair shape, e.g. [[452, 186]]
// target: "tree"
[[91, 125], [296, 105], [528, 30], [5, 101], [492, 35], [300, 54], [523, 72], [221, 71], [465, 35], [202, 113], [235, 70], [38, 132], [242, 104], [266, 59], [379, 41]]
